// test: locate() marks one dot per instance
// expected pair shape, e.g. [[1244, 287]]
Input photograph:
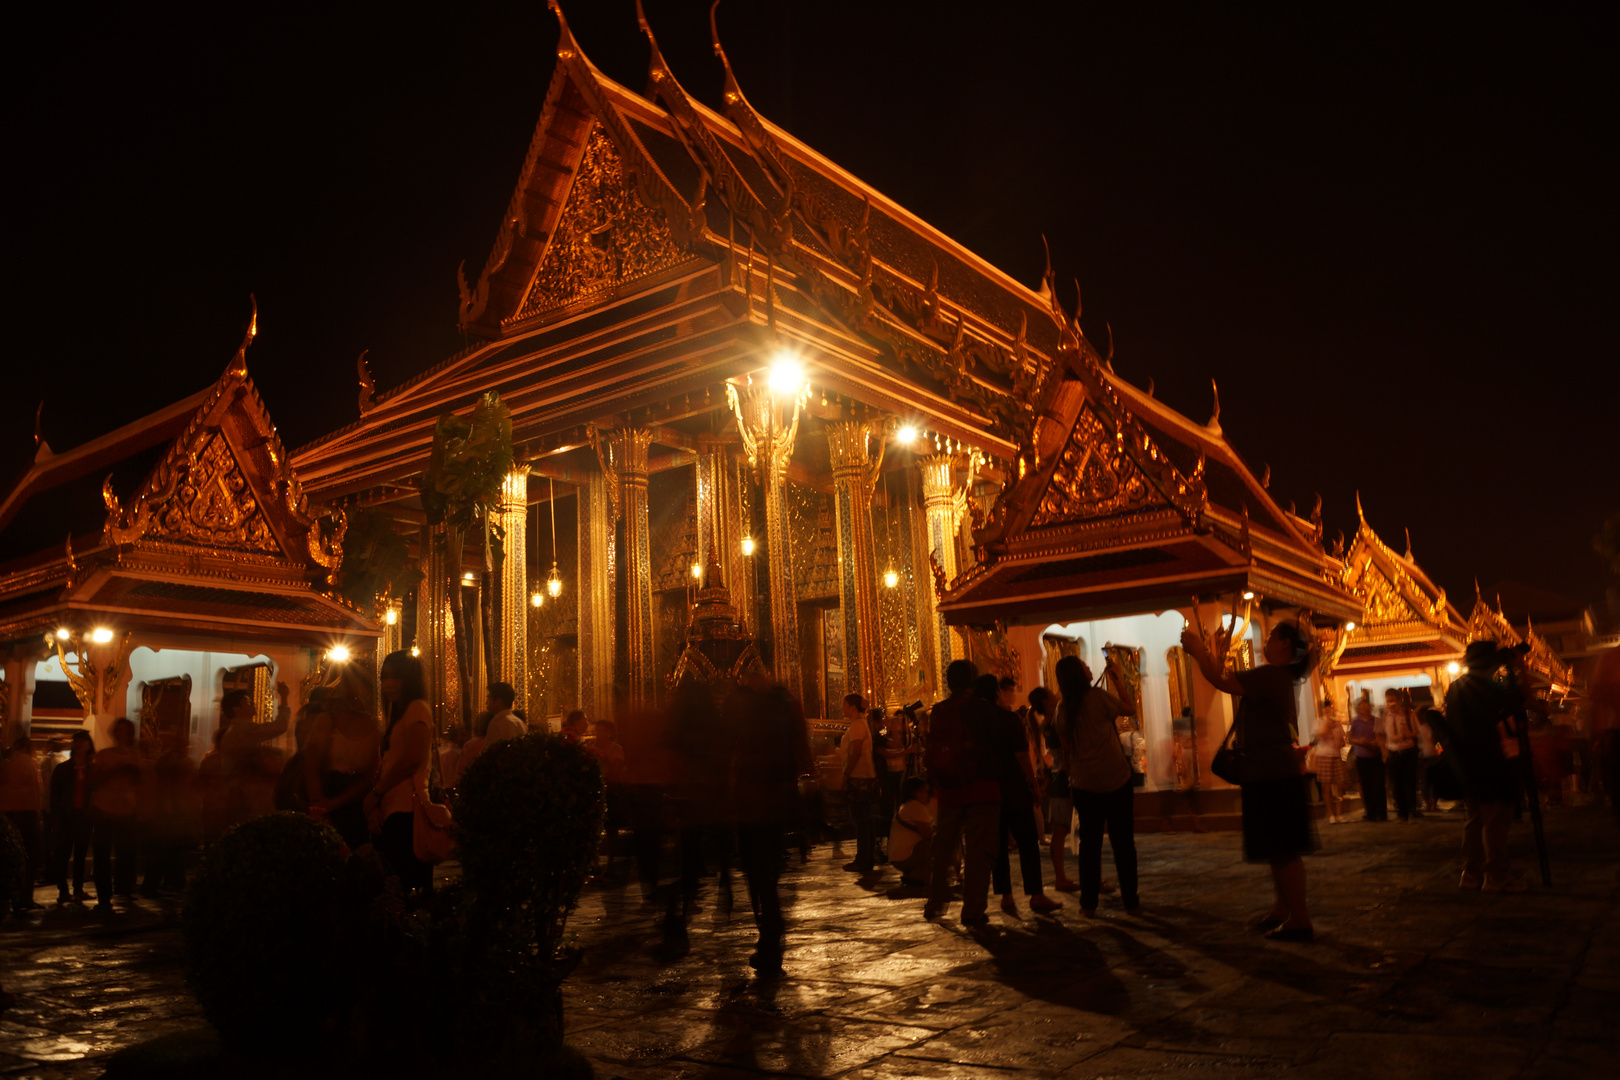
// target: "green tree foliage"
[[460, 488], [376, 561]]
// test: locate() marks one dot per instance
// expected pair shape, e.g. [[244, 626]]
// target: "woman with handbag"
[[1261, 759], [400, 794]]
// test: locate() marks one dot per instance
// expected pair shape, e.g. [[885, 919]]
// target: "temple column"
[[596, 551], [944, 504], [435, 630], [511, 661], [854, 474], [769, 445], [623, 453]]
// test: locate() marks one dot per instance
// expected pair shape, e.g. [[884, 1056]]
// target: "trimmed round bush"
[[272, 933]]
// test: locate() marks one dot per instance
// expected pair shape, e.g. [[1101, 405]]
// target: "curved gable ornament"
[[212, 504]]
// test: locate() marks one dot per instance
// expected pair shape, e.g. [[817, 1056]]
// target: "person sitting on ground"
[[341, 758], [503, 722], [911, 834], [574, 727], [1018, 794]]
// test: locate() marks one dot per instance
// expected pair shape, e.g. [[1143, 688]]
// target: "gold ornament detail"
[[604, 237], [212, 505], [1095, 478]]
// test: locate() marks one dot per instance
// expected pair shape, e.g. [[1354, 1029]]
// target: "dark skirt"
[[1277, 824]]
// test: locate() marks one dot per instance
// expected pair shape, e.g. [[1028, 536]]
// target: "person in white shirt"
[[503, 722], [911, 833], [1399, 726]]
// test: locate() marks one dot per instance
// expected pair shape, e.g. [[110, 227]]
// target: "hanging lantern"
[[554, 579]]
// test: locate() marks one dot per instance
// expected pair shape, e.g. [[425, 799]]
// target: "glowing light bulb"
[[787, 375], [391, 616], [748, 545], [63, 633], [906, 435], [890, 579], [1349, 626], [1453, 667], [337, 654], [697, 570], [101, 635], [1248, 596], [537, 598], [467, 578], [554, 583], [415, 651]]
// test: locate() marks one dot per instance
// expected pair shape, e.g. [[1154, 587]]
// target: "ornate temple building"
[[148, 572]]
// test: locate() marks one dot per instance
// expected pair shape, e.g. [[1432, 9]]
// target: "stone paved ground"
[[1408, 977]]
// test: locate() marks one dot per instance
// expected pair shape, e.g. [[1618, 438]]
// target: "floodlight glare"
[[63, 633], [787, 375], [391, 616], [101, 635], [890, 579], [906, 435], [748, 545], [1349, 626], [337, 654]]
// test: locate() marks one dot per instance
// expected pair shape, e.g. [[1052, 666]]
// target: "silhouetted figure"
[[1472, 731], [1016, 776], [402, 779], [770, 750], [862, 787], [113, 805], [1369, 758], [1400, 731], [1099, 777], [19, 799], [698, 807], [1276, 808], [962, 768], [342, 756], [72, 786], [172, 827]]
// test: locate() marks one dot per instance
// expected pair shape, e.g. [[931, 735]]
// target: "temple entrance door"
[[166, 711]]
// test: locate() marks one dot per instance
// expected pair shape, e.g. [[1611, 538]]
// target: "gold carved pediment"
[[1097, 477], [605, 235], [205, 500]]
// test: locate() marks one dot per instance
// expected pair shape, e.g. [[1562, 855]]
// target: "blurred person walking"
[[1016, 822], [342, 756], [770, 750], [72, 785], [1059, 801], [1327, 762], [114, 804], [1399, 728], [1099, 777], [1276, 808], [1369, 758], [249, 768], [172, 822], [961, 765], [19, 800]]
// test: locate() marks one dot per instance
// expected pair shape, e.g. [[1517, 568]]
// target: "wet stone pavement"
[[1407, 977]]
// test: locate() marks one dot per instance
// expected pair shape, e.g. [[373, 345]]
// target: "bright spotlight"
[[787, 375], [63, 633], [906, 435], [101, 635], [1248, 596], [748, 545], [890, 579], [1349, 626], [391, 616], [337, 654], [1453, 667], [697, 570], [467, 578]]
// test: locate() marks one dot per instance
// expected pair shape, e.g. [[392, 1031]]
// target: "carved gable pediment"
[[606, 236], [1096, 477], [201, 497]]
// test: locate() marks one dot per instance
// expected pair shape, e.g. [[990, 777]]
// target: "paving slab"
[[1407, 977]]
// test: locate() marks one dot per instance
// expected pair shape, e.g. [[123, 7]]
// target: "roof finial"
[[368, 388], [1108, 361], [1361, 516], [1477, 596], [1048, 289], [1408, 544], [732, 91], [566, 45], [1215, 417], [1265, 477], [1150, 386], [1078, 304], [39, 413], [238, 365]]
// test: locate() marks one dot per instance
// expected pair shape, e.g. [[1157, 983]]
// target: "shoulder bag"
[[1228, 761], [431, 842]]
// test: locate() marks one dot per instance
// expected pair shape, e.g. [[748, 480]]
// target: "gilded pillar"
[[623, 453], [768, 442], [435, 629], [854, 473], [512, 605], [944, 504], [596, 552]]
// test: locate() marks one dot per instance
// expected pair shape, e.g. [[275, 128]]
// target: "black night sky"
[[1389, 234]]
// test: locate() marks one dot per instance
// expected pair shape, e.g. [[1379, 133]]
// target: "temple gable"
[[204, 499], [1096, 478], [605, 236]]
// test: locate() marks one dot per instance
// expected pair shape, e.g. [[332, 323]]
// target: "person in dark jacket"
[[72, 784], [1472, 733], [770, 750]]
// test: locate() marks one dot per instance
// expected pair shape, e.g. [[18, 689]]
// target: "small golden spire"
[[1215, 417]]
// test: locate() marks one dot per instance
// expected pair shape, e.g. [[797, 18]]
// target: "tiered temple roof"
[[190, 519], [1487, 623]]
